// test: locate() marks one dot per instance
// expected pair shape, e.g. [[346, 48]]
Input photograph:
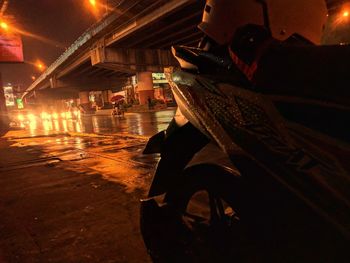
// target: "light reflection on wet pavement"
[[146, 123], [117, 159], [71, 187], [110, 146]]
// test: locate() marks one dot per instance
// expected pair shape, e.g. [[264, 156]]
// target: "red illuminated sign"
[[11, 48]]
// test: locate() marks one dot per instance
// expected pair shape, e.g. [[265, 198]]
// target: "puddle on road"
[[151, 159], [130, 149], [115, 159]]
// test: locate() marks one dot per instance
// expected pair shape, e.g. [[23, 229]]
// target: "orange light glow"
[[20, 117], [76, 113], [45, 116], [31, 117], [4, 26], [98, 8], [55, 115], [41, 66], [65, 126], [16, 30], [68, 115], [93, 2], [342, 17]]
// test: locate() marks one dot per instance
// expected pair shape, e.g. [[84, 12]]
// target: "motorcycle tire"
[[208, 203]]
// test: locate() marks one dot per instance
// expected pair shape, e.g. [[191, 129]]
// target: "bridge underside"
[[135, 37], [139, 40]]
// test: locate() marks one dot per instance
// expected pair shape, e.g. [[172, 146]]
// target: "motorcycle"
[[253, 172]]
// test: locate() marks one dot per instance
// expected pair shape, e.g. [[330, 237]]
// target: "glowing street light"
[[98, 7], [344, 13], [342, 17], [4, 25], [40, 66], [93, 3]]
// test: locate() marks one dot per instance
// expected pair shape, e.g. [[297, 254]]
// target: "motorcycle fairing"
[[211, 154], [246, 123], [177, 150], [155, 143]]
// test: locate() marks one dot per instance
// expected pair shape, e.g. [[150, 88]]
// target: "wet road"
[[109, 145], [73, 198], [146, 123], [82, 178]]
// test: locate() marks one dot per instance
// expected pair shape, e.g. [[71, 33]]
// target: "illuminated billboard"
[[9, 97], [11, 48], [20, 104], [159, 78]]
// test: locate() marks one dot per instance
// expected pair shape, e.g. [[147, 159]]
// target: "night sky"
[[61, 21]]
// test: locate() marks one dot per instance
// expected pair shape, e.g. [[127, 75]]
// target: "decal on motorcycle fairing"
[[238, 118]]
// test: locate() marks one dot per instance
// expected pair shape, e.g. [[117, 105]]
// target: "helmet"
[[283, 18]]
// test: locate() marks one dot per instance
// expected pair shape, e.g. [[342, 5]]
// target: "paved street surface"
[[70, 192], [146, 123]]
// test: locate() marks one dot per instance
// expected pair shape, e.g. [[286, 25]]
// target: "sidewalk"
[[54, 211]]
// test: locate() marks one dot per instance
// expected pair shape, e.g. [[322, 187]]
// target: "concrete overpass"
[[134, 38]]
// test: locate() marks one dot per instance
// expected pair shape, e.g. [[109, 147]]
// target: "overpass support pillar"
[[145, 87], [4, 121], [84, 101], [106, 96]]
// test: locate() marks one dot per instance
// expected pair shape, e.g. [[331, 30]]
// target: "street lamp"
[[338, 25], [40, 66], [98, 7], [93, 2], [344, 13], [4, 26]]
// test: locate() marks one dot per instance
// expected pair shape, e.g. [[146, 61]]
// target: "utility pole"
[[4, 119]]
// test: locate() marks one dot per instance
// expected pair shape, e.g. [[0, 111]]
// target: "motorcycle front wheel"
[[210, 203], [201, 221]]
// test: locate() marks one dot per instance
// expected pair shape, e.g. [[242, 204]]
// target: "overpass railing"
[[81, 41]]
